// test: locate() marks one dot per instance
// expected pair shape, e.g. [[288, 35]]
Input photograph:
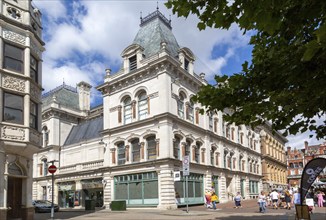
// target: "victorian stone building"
[[21, 49], [274, 167], [130, 147]]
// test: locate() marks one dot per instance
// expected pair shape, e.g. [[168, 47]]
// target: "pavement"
[[224, 211]]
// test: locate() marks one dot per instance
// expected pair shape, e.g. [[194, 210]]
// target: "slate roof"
[[85, 131], [154, 29], [65, 96]]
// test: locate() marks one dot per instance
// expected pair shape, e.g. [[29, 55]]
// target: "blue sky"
[[85, 37]]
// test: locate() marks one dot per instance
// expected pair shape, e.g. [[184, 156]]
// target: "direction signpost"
[[52, 169], [186, 171]]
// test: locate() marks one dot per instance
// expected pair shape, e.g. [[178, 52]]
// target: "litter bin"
[[89, 204], [118, 205]]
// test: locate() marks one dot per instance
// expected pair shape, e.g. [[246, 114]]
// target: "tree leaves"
[[285, 82]]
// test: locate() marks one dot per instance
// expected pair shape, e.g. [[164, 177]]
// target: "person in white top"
[[275, 196], [262, 202]]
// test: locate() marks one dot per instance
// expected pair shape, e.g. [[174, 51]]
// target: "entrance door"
[[14, 197]]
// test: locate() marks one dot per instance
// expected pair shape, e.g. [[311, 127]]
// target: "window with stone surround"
[[142, 105], [121, 153], [127, 110], [151, 148], [132, 63], [181, 99], [13, 108], [135, 147], [34, 69], [33, 115], [13, 58], [176, 148]]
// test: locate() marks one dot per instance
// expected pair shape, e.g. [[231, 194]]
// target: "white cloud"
[[53, 9]]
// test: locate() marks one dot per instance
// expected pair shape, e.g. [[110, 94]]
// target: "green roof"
[[66, 96]]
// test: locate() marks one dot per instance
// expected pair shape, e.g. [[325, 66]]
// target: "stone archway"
[[15, 190]]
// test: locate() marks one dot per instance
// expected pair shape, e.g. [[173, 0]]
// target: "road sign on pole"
[[185, 166], [52, 169]]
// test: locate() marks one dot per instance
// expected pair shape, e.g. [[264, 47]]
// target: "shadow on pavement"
[[266, 216], [61, 215]]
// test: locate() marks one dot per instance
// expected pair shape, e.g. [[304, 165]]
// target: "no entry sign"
[[52, 169]]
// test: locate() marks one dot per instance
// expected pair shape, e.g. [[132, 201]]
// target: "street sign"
[[177, 176], [52, 169], [185, 166]]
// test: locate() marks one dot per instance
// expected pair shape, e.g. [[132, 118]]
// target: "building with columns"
[[21, 49], [274, 167], [130, 147]]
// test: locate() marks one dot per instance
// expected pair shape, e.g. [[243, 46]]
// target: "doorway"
[[14, 195]]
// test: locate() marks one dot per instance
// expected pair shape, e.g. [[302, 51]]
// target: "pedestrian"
[[320, 199], [296, 200], [237, 200], [275, 197], [214, 200], [262, 202], [269, 199], [287, 198]]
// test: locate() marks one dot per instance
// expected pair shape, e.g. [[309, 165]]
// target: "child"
[[237, 200]]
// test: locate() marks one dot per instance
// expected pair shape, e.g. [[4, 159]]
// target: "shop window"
[[13, 108], [13, 58]]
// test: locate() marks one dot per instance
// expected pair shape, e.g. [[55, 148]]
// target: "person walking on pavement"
[[320, 197], [296, 198], [214, 200], [275, 197], [237, 200], [262, 202], [287, 198]]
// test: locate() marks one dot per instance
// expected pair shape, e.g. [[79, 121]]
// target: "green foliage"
[[285, 82]]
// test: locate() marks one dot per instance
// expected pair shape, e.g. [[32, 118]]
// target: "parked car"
[[44, 206]]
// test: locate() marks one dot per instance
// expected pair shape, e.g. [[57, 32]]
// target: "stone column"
[[113, 156], [127, 155], [157, 148], [142, 146], [166, 188], [108, 190]]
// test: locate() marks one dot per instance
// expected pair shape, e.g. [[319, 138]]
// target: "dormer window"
[[186, 64], [132, 63]]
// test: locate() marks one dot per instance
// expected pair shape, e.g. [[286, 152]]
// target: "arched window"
[[127, 110], [190, 111], [176, 147], [121, 153], [197, 152], [212, 155], [45, 136], [187, 150], [45, 167], [151, 148], [210, 121], [181, 99], [135, 147], [142, 105]]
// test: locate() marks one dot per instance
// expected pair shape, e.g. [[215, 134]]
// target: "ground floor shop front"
[[148, 188]]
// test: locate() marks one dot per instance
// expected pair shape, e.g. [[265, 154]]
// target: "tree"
[[286, 78]]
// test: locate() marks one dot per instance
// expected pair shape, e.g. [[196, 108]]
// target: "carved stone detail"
[[13, 83], [13, 133], [13, 36]]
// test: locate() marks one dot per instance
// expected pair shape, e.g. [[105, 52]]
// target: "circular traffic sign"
[[52, 169]]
